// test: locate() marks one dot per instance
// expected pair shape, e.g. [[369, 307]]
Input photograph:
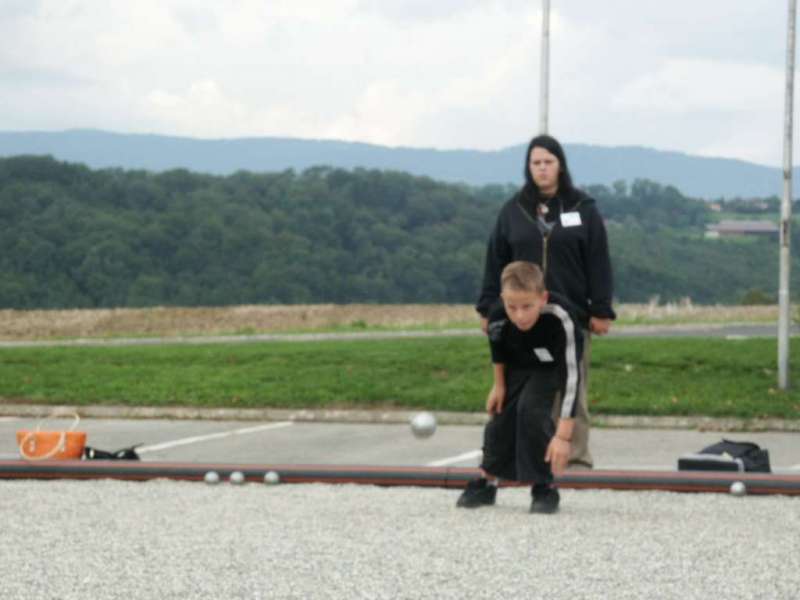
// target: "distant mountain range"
[[694, 176]]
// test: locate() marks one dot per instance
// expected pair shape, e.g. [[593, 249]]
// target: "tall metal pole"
[[786, 207], [544, 66]]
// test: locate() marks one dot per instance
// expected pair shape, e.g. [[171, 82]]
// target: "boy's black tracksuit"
[[540, 364]]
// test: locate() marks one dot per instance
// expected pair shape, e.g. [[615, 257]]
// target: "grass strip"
[[643, 376]]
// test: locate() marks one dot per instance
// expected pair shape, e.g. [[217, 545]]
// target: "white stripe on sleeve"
[[571, 358]]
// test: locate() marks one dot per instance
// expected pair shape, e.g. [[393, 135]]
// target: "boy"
[[536, 350]]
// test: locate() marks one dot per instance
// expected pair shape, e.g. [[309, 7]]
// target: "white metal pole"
[[786, 207], [544, 67]]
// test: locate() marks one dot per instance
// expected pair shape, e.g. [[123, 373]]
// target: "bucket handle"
[[62, 439]]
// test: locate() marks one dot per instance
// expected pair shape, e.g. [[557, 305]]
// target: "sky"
[[702, 77]]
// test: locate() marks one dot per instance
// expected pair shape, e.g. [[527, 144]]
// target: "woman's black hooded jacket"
[[570, 245]]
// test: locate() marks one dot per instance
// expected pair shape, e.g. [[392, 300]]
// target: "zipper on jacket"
[[544, 231], [545, 239]]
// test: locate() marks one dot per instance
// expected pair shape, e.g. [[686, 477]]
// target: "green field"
[[643, 376]]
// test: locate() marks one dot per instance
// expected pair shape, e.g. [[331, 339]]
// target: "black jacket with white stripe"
[[554, 342]]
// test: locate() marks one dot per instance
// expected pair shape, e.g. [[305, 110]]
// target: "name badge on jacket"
[[570, 219]]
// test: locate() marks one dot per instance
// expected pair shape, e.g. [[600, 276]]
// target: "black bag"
[[727, 455], [90, 453]]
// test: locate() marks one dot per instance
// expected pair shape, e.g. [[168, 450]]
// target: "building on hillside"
[[766, 229]]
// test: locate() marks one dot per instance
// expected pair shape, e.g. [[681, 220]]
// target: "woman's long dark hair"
[[550, 144]]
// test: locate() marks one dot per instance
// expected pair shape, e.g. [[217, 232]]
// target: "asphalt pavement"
[[724, 330], [340, 442]]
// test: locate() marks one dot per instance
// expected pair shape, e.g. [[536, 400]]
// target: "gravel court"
[[170, 539]]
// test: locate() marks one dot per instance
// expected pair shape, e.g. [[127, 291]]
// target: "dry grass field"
[[242, 320], [686, 312]]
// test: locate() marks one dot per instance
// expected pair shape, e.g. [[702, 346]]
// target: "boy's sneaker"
[[477, 493], [545, 500]]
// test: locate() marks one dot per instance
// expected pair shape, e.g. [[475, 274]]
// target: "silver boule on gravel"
[[423, 425], [271, 478], [211, 478], [738, 488], [236, 478]]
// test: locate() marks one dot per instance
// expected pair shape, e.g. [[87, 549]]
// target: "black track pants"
[[515, 441]]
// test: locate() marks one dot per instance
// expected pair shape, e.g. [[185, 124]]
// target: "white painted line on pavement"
[[455, 459], [476, 453], [630, 467], [211, 436], [8, 419]]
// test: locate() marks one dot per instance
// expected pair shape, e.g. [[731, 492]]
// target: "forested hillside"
[[75, 237]]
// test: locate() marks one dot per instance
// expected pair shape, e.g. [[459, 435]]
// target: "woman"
[[557, 226]]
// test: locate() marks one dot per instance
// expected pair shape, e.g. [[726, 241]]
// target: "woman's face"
[[544, 168]]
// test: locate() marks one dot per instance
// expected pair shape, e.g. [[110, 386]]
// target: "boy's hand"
[[558, 454], [494, 403]]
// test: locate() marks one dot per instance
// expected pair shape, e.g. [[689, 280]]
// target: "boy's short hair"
[[522, 276]]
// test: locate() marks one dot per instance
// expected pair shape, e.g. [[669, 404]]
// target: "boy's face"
[[523, 307]]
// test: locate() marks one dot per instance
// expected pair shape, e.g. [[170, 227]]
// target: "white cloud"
[[748, 142], [418, 10], [697, 77], [204, 109], [684, 85], [422, 81]]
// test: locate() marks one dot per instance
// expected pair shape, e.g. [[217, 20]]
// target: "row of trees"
[[75, 237]]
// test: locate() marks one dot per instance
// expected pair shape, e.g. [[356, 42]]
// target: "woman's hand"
[[599, 326]]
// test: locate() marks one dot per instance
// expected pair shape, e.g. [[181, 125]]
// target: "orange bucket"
[[51, 445], [55, 445]]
